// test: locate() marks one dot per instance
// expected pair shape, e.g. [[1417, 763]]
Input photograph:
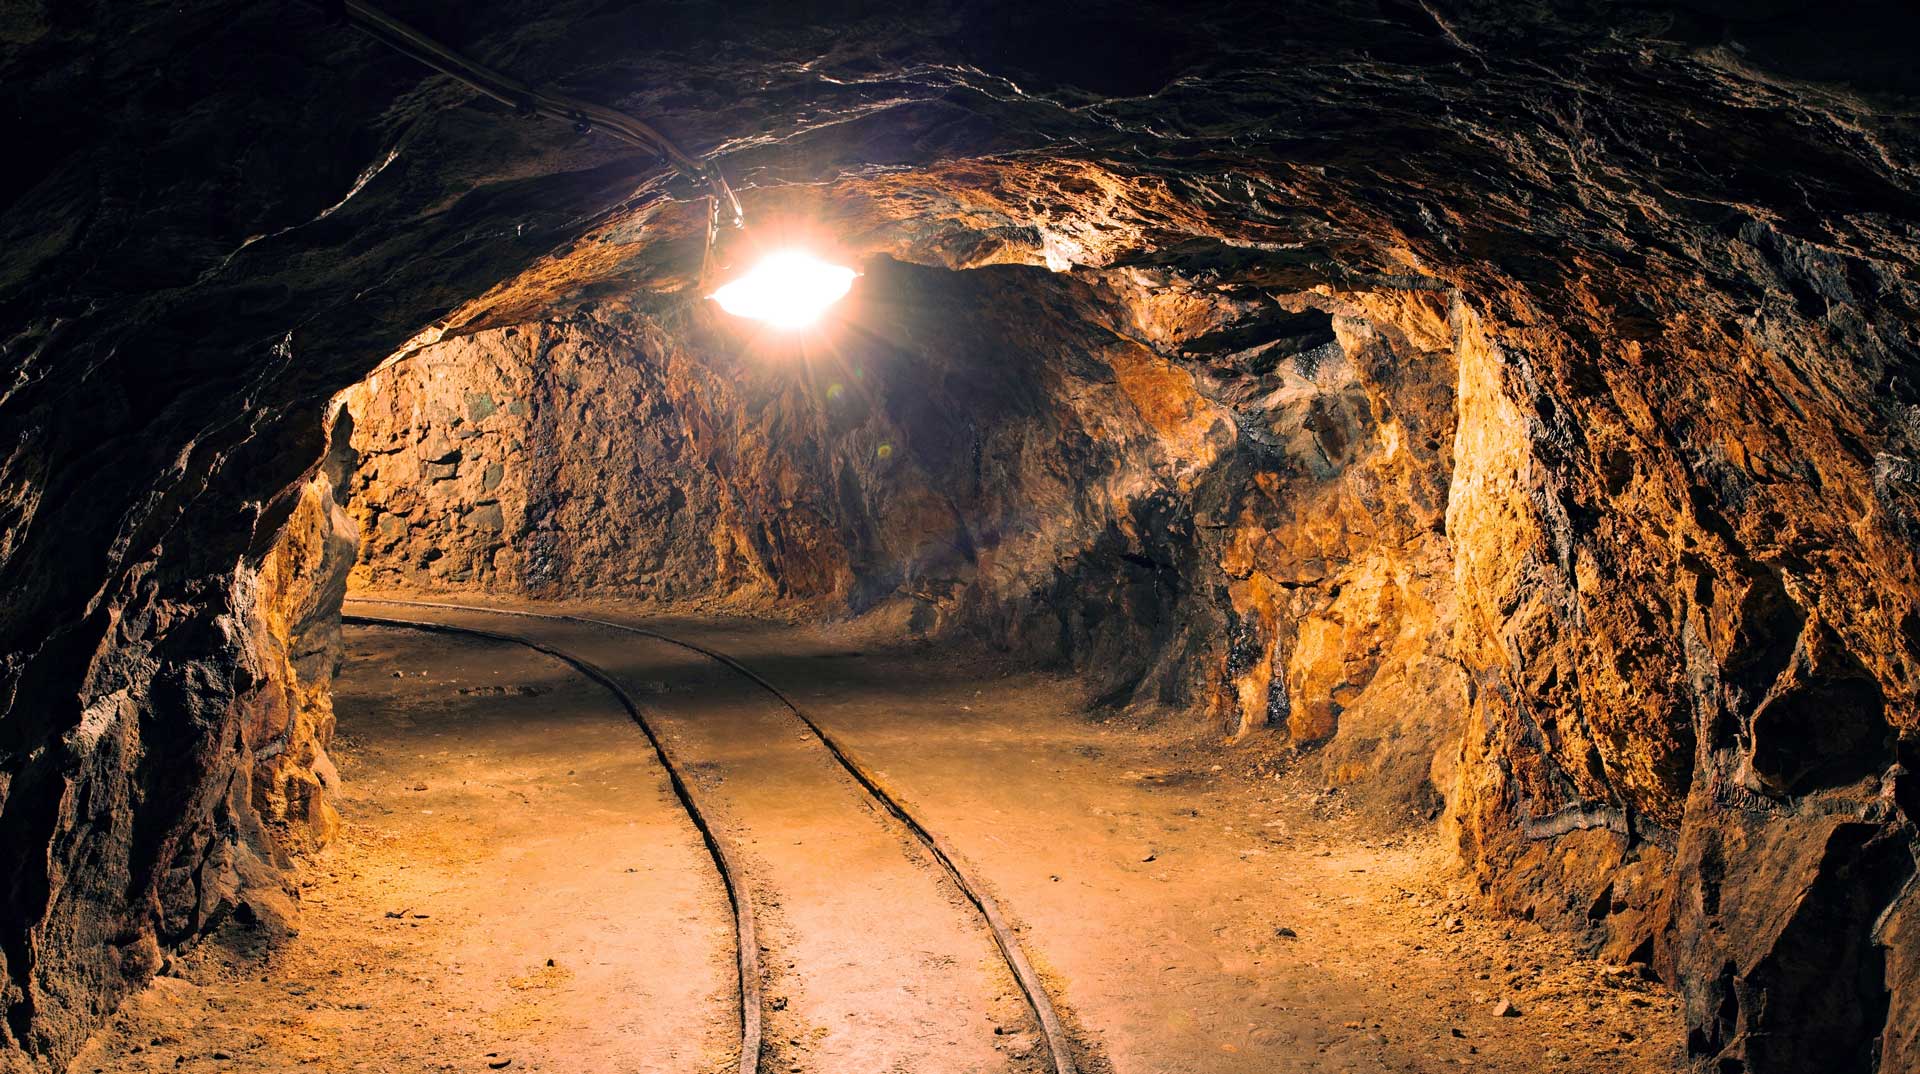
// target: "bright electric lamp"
[[787, 289]]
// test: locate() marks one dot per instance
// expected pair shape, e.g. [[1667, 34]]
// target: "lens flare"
[[787, 289]]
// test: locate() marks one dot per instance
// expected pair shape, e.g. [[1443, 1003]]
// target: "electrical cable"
[[528, 101]]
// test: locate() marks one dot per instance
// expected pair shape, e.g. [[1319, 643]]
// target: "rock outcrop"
[[547, 459], [1681, 573], [1540, 380], [301, 584]]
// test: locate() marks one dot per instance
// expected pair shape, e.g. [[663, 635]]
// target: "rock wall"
[[546, 459], [301, 583], [1683, 577]]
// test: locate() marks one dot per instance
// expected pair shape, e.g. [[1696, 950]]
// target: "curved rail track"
[[1058, 1046], [747, 947]]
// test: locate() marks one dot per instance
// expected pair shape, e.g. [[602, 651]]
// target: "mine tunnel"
[[1111, 538]]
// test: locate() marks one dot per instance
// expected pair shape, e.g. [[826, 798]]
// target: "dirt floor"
[[515, 886], [1191, 911]]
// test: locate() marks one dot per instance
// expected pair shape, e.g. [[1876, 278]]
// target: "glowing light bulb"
[[787, 289]]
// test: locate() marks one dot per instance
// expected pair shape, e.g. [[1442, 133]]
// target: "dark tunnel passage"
[[1371, 535]]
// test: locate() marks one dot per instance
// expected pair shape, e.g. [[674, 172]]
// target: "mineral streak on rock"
[[1535, 384]]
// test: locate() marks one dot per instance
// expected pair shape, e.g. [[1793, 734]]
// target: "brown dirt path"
[[1157, 875], [515, 888], [1193, 913], [875, 963]]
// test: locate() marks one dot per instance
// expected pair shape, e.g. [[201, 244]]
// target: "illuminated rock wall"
[[301, 584], [547, 459]]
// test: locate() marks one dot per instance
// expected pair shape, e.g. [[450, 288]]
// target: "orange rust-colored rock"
[[301, 584]]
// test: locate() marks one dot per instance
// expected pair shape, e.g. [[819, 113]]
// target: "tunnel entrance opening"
[[1222, 514], [1216, 505], [1222, 510]]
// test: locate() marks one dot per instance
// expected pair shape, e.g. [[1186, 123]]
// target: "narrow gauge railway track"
[[746, 945], [1032, 989]]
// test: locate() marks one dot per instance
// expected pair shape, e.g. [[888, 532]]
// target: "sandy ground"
[[515, 887], [1197, 914], [1191, 912]]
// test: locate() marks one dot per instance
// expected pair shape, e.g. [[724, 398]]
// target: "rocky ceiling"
[[1665, 252]]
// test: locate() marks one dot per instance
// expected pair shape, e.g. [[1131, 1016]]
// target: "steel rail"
[[747, 946], [1059, 1047]]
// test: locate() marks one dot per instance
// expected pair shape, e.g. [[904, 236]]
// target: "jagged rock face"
[[1670, 742], [541, 460], [302, 582], [1663, 256]]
